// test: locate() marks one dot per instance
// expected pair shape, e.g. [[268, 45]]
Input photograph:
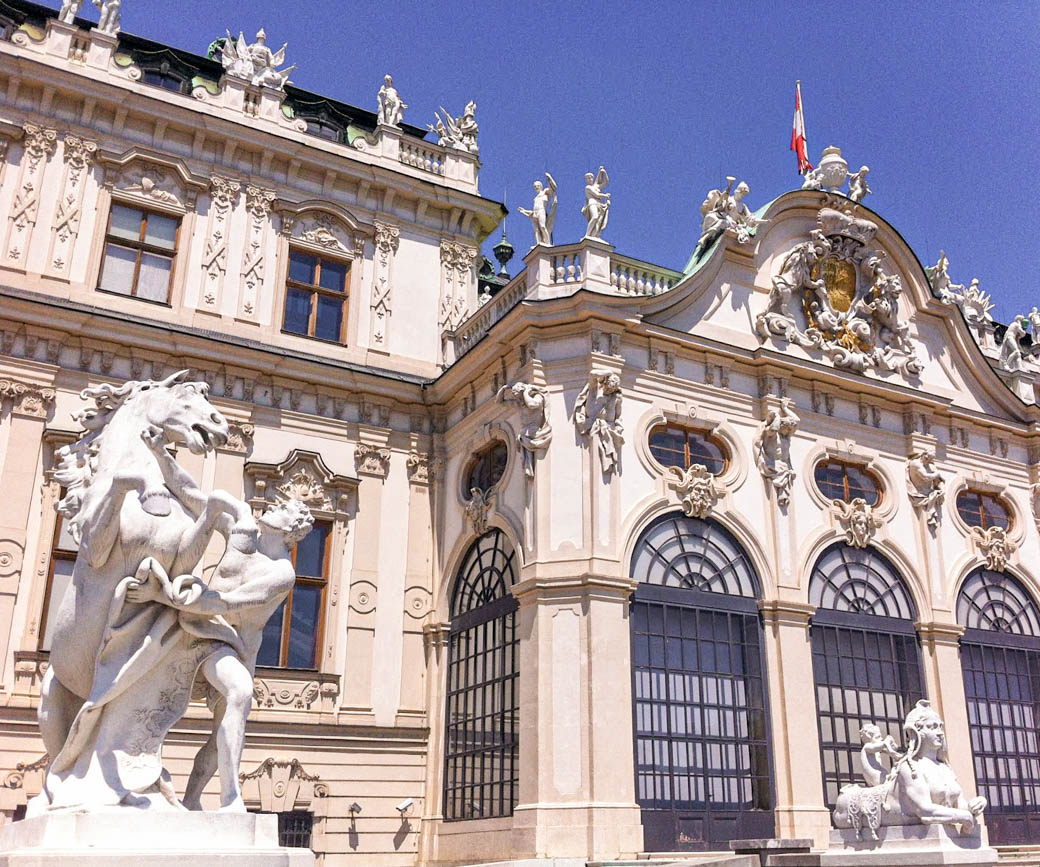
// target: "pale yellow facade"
[[376, 433]]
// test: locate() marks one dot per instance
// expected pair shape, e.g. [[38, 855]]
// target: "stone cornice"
[[940, 633], [782, 611], [533, 590]]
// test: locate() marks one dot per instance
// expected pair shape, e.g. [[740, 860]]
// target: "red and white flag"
[[798, 142]]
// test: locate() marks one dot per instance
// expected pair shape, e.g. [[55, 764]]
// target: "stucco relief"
[[372, 460], [302, 476], [319, 229], [696, 488], [154, 182], [419, 467], [478, 508], [38, 144], [28, 399], [78, 155], [259, 203], [387, 240], [457, 262], [418, 602], [858, 521], [926, 485], [363, 597], [994, 545], [223, 196], [835, 285]]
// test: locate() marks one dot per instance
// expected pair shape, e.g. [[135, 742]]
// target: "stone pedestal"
[[898, 846], [146, 838]]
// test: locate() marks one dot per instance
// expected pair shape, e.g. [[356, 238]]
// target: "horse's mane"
[[78, 461]]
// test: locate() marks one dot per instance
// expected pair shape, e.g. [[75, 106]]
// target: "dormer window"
[[163, 76]]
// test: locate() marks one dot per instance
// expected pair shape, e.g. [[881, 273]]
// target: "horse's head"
[[182, 412]]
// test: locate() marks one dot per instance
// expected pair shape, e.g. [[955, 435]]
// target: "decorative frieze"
[[78, 154], [28, 399], [259, 203], [387, 239], [372, 460], [240, 437], [223, 196], [38, 144]]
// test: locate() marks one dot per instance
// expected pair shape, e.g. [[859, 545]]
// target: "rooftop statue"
[[1034, 325], [939, 275], [724, 212], [833, 172], [69, 11], [1011, 357], [543, 211], [457, 132], [974, 303], [596, 209], [135, 628], [858, 188], [111, 20], [391, 108], [255, 63], [919, 788]]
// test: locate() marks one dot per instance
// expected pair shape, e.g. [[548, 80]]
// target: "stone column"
[[418, 595], [800, 810], [577, 781], [30, 404], [944, 685], [435, 644]]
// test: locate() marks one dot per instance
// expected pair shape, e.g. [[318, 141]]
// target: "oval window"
[[838, 480], [673, 445], [979, 509], [486, 468]]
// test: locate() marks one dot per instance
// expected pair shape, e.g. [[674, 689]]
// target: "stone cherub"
[[597, 414], [858, 188], [596, 209], [252, 579], [920, 788], [391, 107], [542, 213]]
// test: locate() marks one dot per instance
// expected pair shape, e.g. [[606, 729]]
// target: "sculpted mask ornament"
[[926, 486], [995, 546], [597, 415], [918, 788], [543, 211], [857, 520], [723, 212], [536, 434], [697, 490], [255, 63], [772, 447], [849, 306]]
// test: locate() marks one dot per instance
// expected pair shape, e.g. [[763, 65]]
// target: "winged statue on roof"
[[256, 63]]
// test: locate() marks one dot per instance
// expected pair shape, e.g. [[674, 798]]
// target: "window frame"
[[482, 453], [995, 498], [286, 607], [140, 247], [688, 457], [849, 496], [316, 290], [56, 554]]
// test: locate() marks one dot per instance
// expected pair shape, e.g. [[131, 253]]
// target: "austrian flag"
[[798, 142]]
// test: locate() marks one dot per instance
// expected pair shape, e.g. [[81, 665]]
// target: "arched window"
[[485, 468], [702, 752], [838, 480], [866, 661], [480, 776], [1000, 658]]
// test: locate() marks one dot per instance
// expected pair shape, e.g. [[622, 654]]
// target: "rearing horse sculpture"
[[120, 509]]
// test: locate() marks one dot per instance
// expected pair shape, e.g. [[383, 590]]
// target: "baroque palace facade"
[[609, 558]]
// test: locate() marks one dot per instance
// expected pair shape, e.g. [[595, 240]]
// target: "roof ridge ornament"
[[833, 172]]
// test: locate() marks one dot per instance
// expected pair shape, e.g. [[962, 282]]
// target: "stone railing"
[[474, 328], [420, 155], [567, 265], [632, 277]]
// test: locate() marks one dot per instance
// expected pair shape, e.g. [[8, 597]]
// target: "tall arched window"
[[866, 659], [480, 777], [702, 752], [1000, 657]]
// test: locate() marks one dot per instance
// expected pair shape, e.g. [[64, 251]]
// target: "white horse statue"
[[120, 674]]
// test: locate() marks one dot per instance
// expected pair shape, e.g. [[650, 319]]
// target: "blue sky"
[[942, 100]]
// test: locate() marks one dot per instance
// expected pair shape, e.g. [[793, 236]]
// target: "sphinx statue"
[[918, 788]]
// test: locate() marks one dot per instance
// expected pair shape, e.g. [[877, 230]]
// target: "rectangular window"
[[140, 247], [292, 637], [63, 559], [316, 297], [295, 828]]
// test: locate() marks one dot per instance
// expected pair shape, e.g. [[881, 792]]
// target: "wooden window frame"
[[984, 523], [141, 247], [310, 581], [849, 496], [687, 432], [315, 290]]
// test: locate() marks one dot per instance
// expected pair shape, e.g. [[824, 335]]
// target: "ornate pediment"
[[831, 296], [301, 476]]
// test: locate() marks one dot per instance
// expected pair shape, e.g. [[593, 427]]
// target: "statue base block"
[[896, 846], [148, 838]]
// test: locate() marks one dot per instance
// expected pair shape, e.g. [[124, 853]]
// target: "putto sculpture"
[[543, 211], [597, 415], [858, 188], [536, 434], [596, 209], [919, 787], [255, 63], [724, 212], [832, 173], [135, 628], [111, 20], [391, 107], [831, 294]]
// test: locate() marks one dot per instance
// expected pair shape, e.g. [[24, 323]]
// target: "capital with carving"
[[372, 460], [387, 237], [419, 469], [39, 141], [29, 400]]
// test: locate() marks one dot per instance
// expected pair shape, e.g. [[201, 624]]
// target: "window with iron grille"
[[678, 446], [295, 828], [1000, 659], [838, 480], [866, 657], [292, 637], [140, 248], [316, 297], [702, 751], [481, 732]]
